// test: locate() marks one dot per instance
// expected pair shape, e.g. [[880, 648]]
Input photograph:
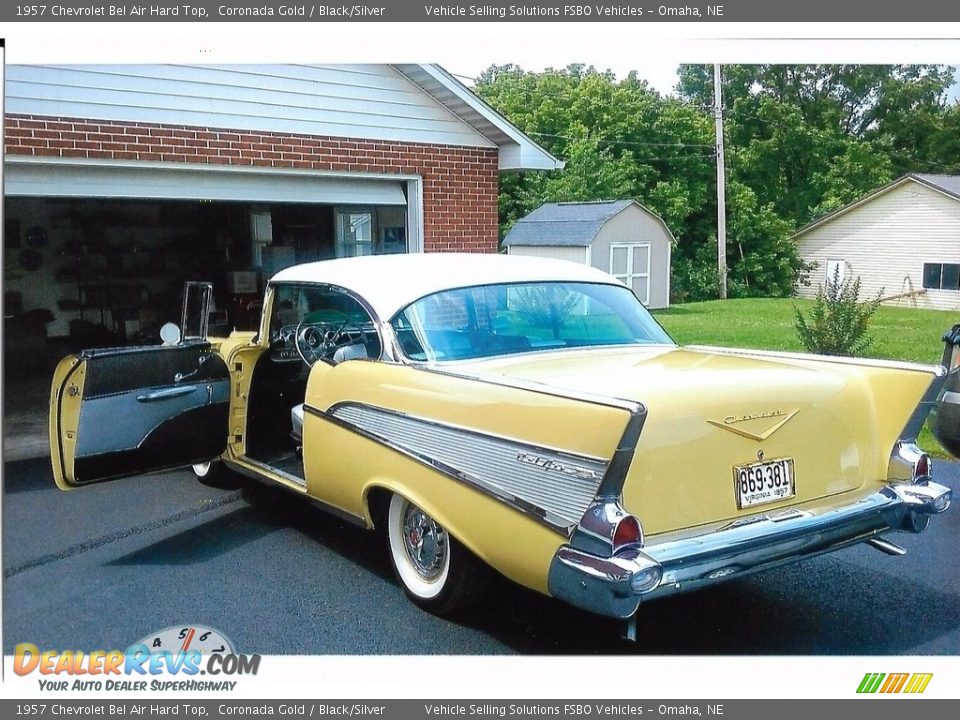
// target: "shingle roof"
[[572, 224], [948, 183]]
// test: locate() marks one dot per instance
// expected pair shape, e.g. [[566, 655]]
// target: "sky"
[[466, 49], [660, 75]]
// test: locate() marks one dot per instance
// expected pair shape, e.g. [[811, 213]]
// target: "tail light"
[[923, 466], [606, 529], [628, 532]]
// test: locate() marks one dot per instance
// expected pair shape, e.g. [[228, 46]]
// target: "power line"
[[622, 142]]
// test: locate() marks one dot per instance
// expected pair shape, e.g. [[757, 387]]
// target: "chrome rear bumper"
[[603, 584]]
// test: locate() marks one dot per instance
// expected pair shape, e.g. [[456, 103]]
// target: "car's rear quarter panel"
[[342, 467]]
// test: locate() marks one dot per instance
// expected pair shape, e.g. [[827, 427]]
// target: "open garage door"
[[99, 250], [178, 182]]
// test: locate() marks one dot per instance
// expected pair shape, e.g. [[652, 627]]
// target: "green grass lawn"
[[898, 333]]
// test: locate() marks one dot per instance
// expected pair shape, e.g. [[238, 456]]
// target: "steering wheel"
[[316, 340]]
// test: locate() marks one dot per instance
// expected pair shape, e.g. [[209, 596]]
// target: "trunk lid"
[[708, 412]]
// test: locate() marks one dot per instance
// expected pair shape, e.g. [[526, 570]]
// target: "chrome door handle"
[[166, 394]]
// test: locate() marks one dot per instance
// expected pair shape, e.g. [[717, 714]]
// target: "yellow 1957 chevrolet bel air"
[[523, 413]]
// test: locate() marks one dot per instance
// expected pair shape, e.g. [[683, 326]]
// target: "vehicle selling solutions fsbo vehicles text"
[[575, 11]]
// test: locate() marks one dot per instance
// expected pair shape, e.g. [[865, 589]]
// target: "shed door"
[[631, 264]]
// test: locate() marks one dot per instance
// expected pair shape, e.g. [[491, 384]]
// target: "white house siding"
[[631, 226], [372, 102], [571, 254], [885, 241]]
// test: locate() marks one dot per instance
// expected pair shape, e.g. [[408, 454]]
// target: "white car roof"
[[391, 282]]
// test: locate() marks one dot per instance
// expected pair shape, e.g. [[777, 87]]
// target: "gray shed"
[[621, 237]]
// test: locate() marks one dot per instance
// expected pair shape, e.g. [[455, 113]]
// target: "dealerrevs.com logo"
[[170, 659], [912, 683]]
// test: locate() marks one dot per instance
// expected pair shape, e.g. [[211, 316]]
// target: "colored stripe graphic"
[[894, 683], [918, 683], [870, 682]]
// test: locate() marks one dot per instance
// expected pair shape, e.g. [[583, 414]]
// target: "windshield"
[[479, 322]]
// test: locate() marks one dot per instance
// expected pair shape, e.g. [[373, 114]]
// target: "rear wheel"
[[214, 474], [436, 572]]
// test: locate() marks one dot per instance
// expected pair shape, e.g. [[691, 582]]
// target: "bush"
[[838, 321]]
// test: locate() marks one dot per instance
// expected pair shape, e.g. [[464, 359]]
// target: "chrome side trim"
[[927, 403], [554, 514], [256, 469], [481, 434], [612, 485]]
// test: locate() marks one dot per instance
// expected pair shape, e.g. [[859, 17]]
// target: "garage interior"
[[101, 272]]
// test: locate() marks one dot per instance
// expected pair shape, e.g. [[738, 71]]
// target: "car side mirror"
[[170, 333]]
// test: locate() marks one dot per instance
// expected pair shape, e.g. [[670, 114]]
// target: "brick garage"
[[122, 181], [459, 184]]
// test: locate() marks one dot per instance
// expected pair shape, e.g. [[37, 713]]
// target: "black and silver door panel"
[[125, 411]]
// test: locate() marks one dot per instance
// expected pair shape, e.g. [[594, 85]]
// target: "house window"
[[941, 276], [631, 264], [354, 233]]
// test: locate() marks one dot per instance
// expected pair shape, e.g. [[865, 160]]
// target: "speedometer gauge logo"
[[184, 638]]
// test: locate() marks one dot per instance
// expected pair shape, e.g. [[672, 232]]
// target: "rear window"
[[490, 320]]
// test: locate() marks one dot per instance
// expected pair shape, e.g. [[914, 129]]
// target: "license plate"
[[764, 482]]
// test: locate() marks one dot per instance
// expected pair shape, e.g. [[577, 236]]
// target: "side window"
[[941, 276], [196, 310]]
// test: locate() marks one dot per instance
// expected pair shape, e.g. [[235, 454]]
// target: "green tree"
[[808, 138], [620, 139], [801, 140]]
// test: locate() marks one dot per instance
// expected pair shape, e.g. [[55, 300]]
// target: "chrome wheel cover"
[[425, 543]]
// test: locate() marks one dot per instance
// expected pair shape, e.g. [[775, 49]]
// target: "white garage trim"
[[42, 177]]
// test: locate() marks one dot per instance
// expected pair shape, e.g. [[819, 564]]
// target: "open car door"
[[124, 411]]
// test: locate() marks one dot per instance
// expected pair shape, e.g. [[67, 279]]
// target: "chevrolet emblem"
[[731, 422]]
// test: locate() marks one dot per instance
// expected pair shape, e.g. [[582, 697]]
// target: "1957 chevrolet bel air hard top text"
[[522, 413]]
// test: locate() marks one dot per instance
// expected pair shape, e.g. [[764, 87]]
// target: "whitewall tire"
[[214, 473], [436, 572]]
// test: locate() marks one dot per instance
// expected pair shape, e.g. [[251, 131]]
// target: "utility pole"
[[721, 184]]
